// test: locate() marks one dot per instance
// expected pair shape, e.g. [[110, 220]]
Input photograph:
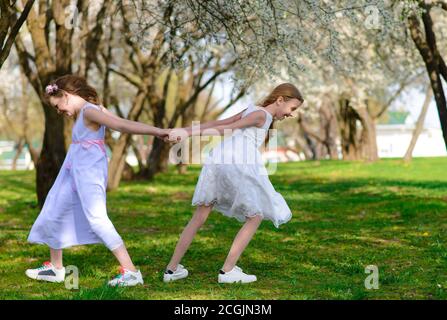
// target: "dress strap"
[[89, 105], [263, 109], [269, 116]]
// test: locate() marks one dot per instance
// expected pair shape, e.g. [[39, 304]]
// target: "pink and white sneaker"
[[127, 278], [47, 272]]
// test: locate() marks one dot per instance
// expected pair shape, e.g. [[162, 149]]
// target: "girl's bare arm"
[[108, 112], [214, 123], [256, 119], [123, 125]]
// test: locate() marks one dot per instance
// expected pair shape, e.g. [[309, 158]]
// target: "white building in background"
[[393, 141], [7, 152]]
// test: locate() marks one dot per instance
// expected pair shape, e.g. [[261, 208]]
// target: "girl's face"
[[286, 109], [63, 105]]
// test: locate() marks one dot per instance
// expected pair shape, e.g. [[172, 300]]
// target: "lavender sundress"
[[74, 212]]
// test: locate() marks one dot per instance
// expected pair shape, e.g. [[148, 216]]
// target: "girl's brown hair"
[[286, 90], [72, 84]]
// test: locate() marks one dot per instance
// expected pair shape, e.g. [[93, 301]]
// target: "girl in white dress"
[[74, 212], [234, 180]]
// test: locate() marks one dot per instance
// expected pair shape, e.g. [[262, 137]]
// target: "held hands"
[[173, 135], [163, 133], [177, 135]]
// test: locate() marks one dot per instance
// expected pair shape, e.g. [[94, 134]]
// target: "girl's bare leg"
[[188, 234], [123, 257], [120, 253], [56, 258], [241, 241]]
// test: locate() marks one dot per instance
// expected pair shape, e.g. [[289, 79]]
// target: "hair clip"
[[51, 88]]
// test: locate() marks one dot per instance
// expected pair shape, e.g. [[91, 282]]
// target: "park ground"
[[346, 216]]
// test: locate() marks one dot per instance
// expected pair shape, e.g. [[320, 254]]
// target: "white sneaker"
[[127, 278], [47, 272], [178, 274], [235, 275]]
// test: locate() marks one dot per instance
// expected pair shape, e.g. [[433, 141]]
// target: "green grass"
[[346, 215]]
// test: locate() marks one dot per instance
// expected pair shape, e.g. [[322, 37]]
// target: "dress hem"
[[65, 246], [213, 202]]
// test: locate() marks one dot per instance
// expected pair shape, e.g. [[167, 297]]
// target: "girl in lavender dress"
[[234, 180], [74, 212]]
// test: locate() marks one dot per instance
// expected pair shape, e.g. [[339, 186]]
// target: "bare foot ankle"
[[57, 266], [132, 269], [171, 268], [226, 269]]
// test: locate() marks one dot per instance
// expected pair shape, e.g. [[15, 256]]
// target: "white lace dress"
[[235, 180]]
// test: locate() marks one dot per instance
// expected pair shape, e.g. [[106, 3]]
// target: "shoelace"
[[121, 274]]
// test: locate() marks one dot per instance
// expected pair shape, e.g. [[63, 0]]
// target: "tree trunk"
[[10, 25], [304, 147], [117, 161], [419, 125], [433, 63], [32, 151], [52, 154], [19, 150], [369, 139], [158, 159], [128, 173], [310, 149], [347, 120], [137, 153], [182, 168], [328, 121], [119, 151], [187, 118], [322, 138]]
